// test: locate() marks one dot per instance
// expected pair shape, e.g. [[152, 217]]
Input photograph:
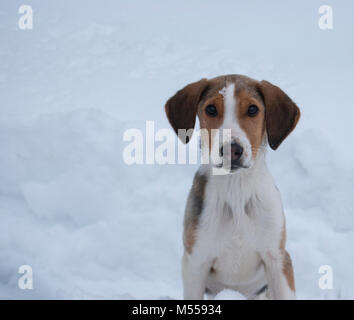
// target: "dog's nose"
[[236, 151]]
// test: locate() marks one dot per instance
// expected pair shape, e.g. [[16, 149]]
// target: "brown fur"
[[193, 210], [190, 236], [210, 123], [287, 265], [283, 238], [181, 109], [281, 113], [288, 270], [211, 96], [253, 127]]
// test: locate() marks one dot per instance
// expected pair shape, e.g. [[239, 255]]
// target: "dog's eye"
[[211, 110], [252, 110]]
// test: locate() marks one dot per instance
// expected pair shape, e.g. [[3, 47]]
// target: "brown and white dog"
[[234, 225]]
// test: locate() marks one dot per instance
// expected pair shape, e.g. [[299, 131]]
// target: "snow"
[[92, 227], [228, 294]]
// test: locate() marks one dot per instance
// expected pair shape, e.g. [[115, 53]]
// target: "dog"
[[234, 226]]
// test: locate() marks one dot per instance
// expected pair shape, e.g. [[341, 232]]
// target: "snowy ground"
[[91, 226]]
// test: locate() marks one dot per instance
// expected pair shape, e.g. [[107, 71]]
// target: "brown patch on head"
[[210, 123], [211, 96], [252, 126], [288, 270]]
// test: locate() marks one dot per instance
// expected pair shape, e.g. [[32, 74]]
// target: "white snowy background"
[[91, 226]]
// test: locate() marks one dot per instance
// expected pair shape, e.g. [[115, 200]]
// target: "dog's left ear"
[[281, 113], [181, 109]]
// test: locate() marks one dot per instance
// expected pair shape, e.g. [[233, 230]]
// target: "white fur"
[[230, 122], [243, 248]]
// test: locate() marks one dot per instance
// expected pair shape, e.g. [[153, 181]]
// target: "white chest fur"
[[241, 219]]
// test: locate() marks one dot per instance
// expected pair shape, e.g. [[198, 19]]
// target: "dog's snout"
[[236, 151]]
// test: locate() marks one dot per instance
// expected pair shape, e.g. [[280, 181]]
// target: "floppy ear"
[[281, 113], [181, 109]]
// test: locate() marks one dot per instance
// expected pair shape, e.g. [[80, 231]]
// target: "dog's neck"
[[236, 190]]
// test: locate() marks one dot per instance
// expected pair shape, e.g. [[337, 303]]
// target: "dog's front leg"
[[280, 275], [194, 275]]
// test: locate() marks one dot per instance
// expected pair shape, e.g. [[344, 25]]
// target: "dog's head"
[[251, 111]]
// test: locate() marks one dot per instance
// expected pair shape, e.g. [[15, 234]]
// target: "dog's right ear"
[[181, 109]]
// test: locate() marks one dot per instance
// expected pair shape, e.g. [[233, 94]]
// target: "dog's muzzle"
[[233, 154]]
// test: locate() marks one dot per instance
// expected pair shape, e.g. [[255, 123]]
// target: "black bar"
[[173, 309]]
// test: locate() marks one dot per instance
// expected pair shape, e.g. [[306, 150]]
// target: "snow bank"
[[91, 226]]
